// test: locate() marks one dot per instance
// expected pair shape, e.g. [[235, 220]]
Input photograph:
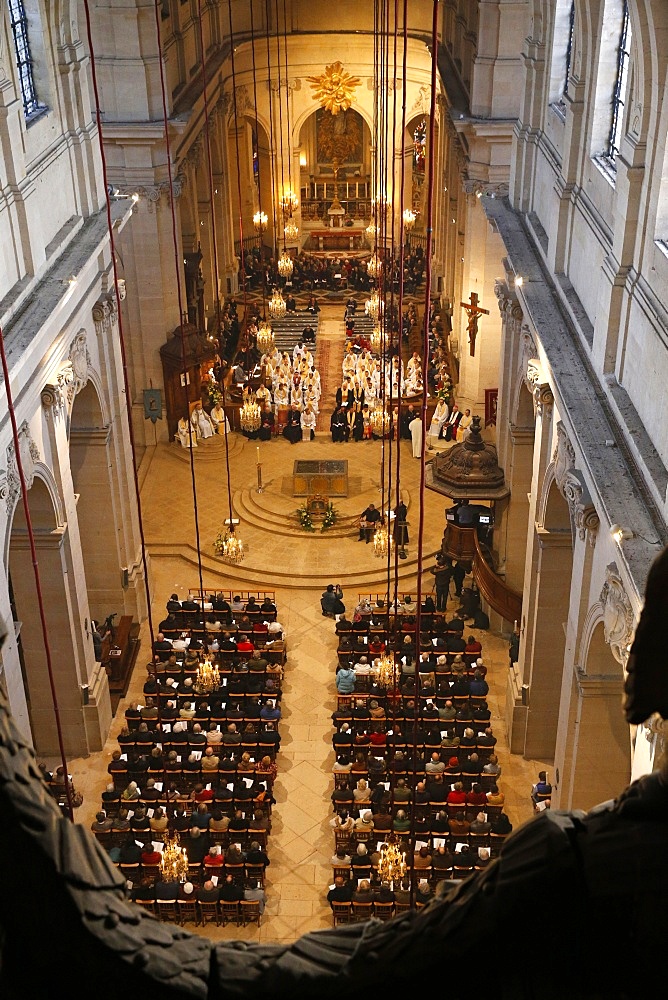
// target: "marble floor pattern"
[[297, 565]]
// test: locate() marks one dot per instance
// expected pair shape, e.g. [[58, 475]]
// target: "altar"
[[329, 478]]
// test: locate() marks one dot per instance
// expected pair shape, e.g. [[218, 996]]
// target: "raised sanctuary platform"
[[329, 478]]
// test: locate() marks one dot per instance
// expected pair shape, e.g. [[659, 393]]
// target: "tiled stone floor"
[[298, 565]]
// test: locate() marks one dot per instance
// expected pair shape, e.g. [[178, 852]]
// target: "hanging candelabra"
[[370, 232], [250, 415], [291, 230], [208, 677], [382, 541], [265, 336], [174, 860], [285, 265], [374, 266], [373, 306], [376, 339], [289, 200], [409, 219], [232, 548], [277, 307], [260, 220], [392, 863], [380, 421]]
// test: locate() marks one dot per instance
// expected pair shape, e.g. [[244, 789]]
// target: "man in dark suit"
[[167, 891], [208, 893], [341, 892], [369, 518]]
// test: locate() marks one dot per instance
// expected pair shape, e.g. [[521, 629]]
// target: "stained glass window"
[[621, 84], [420, 147]]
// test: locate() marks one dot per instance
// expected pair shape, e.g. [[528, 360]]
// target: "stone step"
[[252, 573]]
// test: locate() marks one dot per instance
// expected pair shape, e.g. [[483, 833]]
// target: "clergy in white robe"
[[184, 432], [219, 419], [307, 421], [202, 423], [439, 418], [415, 427]]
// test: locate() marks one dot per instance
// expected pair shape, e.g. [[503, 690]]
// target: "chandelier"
[[373, 307], [382, 541], [233, 548], [289, 202], [392, 863], [374, 266], [376, 339], [291, 231], [265, 337], [380, 421], [208, 677], [380, 203], [409, 219], [285, 265], [370, 232], [250, 415], [260, 220], [277, 307], [174, 860]]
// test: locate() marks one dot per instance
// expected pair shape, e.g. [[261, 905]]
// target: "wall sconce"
[[619, 533], [303, 162]]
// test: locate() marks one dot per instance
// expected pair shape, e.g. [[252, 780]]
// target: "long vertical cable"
[[427, 293], [259, 172], [38, 585], [287, 99], [214, 247], [280, 114], [179, 293], [121, 337], [241, 249], [271, 126]]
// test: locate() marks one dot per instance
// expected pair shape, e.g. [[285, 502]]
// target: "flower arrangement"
[[306, 520], [330, 517], [215, 395]]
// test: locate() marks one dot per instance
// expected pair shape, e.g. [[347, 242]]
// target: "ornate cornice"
[[571, 485], [57, 396], [10, 482]]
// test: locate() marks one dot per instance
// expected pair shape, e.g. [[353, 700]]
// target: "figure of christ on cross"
[[474, 312]]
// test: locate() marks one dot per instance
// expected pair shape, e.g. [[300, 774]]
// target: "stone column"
[[529, 123], [519, 676]]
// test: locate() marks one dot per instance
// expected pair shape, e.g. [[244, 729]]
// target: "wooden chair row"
[[201, 913]]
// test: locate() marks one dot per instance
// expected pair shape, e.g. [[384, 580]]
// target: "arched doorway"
[[62, 620], [597, 760]]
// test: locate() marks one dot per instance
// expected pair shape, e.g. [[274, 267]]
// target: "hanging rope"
[[271, 127], [121, 337], [259, 173], [280, 111], [179, 294], [241, 251]]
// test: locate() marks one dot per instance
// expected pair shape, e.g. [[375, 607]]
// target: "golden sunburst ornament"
[[334, 88]]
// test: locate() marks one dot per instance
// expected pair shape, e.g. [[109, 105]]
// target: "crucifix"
[[474, 312]]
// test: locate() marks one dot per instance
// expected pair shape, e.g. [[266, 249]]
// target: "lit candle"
[[258, 454]]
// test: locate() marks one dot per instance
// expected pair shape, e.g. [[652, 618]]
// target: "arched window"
[[621, 84], [19, 24], [562, 52]]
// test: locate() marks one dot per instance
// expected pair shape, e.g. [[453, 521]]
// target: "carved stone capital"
[[617, 614], [540, 389], [104, 313]]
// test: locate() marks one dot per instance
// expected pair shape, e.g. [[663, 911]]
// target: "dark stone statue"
[[573, 907]]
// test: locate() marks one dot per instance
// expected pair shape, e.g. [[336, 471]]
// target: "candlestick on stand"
[[260, 487]]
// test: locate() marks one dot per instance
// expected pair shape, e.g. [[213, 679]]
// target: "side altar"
[[328, 478]]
